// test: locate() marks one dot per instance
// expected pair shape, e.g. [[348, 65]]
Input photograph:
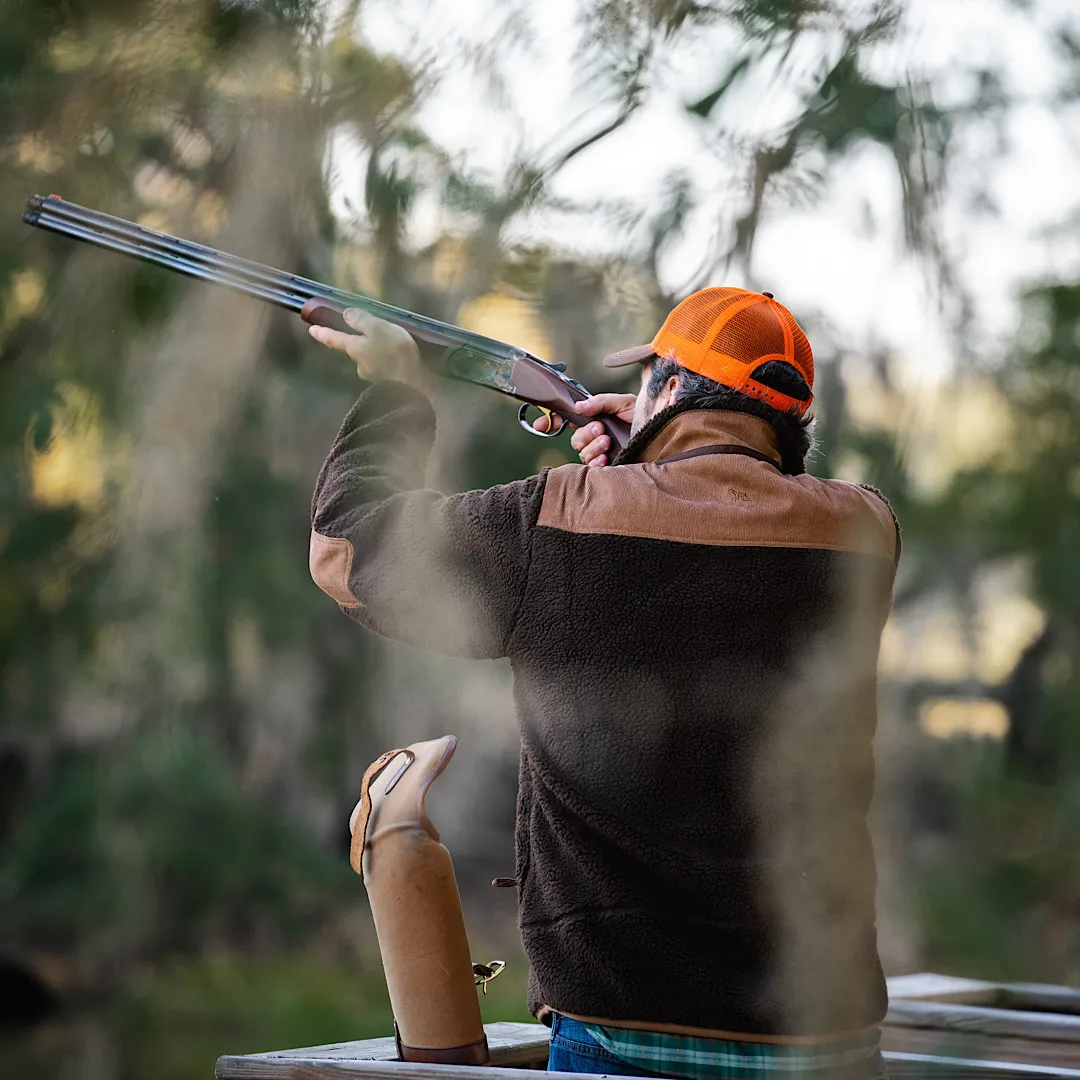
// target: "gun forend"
[[317, 312]]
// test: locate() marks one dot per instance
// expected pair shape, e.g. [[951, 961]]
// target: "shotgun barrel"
[[468, 357]]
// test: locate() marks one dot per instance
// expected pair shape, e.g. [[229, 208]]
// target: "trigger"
[[552, 417]]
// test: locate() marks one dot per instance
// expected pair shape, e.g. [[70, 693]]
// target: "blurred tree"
[[1004, 900], [147, 509]]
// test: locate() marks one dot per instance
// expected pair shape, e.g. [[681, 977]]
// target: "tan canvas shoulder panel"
[[330, 561], [725, 501]]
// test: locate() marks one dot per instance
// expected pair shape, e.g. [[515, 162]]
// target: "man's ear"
[[671, 388]]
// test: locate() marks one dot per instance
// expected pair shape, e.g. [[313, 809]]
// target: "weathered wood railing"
[[937, 1028], [512, 1046], [1026, 1023]]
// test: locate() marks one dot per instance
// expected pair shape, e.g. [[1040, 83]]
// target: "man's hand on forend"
[[380, 350]]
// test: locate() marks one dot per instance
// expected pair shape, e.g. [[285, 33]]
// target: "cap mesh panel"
[[804, 355], [697, 314], [751, 333]]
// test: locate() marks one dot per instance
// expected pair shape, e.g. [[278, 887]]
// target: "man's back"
[[694, 644], [695, 677]]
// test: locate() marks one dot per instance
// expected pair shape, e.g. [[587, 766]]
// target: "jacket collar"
[[677, 430]]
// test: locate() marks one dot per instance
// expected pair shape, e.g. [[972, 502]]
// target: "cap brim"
[[639, 354]]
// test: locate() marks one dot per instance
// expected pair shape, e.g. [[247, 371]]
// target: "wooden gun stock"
[[536, 384]]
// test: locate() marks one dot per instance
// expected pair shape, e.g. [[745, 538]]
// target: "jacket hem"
[[712, 1033]]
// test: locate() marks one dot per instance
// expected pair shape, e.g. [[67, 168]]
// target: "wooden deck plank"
[[928, 986], [976, 1019], [511, 1046], [1041, 997], [904, 1066], [399, 1070], [901, 1067], [518, 1046], [979, 1047]]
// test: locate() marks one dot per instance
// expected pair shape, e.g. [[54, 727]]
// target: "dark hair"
[[793, 432]]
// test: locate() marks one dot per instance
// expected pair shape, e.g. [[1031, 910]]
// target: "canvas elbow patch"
[[330, 560]]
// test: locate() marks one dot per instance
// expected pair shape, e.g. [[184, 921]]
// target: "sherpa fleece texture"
[[694, 646]]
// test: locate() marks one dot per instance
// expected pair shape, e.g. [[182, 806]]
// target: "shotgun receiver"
[[466, 356]]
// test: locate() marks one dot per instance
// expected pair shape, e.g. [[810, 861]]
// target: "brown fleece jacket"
[[694, 645]]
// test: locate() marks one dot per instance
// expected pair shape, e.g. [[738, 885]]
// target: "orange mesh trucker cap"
[[726, 335]]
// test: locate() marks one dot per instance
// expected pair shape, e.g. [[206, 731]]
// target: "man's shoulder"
[[846, 489], [725, 501], [576, 495], [858, 502]]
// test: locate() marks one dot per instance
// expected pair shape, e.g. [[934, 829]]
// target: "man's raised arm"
[[445, 574]]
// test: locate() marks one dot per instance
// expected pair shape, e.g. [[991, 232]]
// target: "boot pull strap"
[[359, 832]]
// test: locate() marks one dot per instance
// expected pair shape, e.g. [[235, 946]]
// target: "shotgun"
[[466, 356]]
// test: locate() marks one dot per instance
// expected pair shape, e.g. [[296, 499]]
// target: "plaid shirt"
[[722, 1059]]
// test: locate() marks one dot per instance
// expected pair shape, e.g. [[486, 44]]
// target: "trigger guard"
[[523, 414]]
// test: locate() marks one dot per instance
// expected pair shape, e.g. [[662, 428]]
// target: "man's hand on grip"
[[590, 441]]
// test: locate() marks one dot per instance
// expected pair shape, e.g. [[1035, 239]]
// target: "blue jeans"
[[574, 1050]]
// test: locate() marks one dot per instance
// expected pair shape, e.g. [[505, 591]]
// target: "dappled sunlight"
[[73, 467], [947, 718], [506, 318]]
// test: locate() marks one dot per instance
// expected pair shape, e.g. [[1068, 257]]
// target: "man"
[[693, 630]]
